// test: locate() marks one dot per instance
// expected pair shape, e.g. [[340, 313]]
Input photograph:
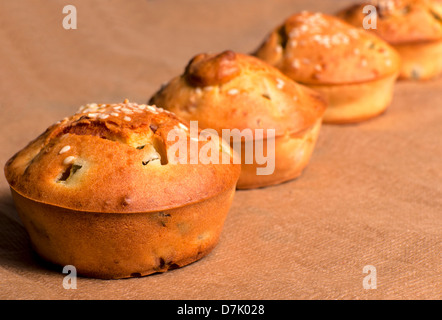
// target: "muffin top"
[[401, 21], [231, 90], [315, 48], [114, 158]]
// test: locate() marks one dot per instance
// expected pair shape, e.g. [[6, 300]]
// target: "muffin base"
[[124, 245], [420, 61], [292, 155], [352, 103]]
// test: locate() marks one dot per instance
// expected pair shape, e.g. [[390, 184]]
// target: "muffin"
[[413, 28], [235, 92], [100, 191], [353, 69]]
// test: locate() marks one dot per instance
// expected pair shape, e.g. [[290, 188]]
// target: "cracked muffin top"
[[115, 158], [234, 90]]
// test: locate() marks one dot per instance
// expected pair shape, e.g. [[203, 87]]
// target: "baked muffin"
[[413, 28], [232, 91], [100, 191], [353, 69]]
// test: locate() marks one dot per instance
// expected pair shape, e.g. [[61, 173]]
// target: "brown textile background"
[[372, 194]]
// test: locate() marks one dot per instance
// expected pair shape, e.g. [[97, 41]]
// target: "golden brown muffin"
[[231, 90], [353, 69], [412, 27], [98, 191]]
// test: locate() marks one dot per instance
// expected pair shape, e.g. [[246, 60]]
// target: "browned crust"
[[401, 21], [315, 48], [235, 90], [114, 176]]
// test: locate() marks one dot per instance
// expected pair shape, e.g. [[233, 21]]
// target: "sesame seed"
[[356, 51], [142, 106], [152, 108], [317, 38], [182, 126], [126, 118], [103, 116], [68, 160], [233, 91], [115, 114], [318, 67], [295, 64], [354, 33], [279, 83], [364, 63], [208, 88], [92, 115], [64, 149], [198, 90], [117, 107], [126, 110]]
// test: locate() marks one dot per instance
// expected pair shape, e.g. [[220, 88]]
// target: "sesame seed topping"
[[126, 118], [115, 114], [92, 115], [64, 149], [152, 108], [318, 67], [198, 90], [208, 88], [232, 92], [117, 107], [68, 160]]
